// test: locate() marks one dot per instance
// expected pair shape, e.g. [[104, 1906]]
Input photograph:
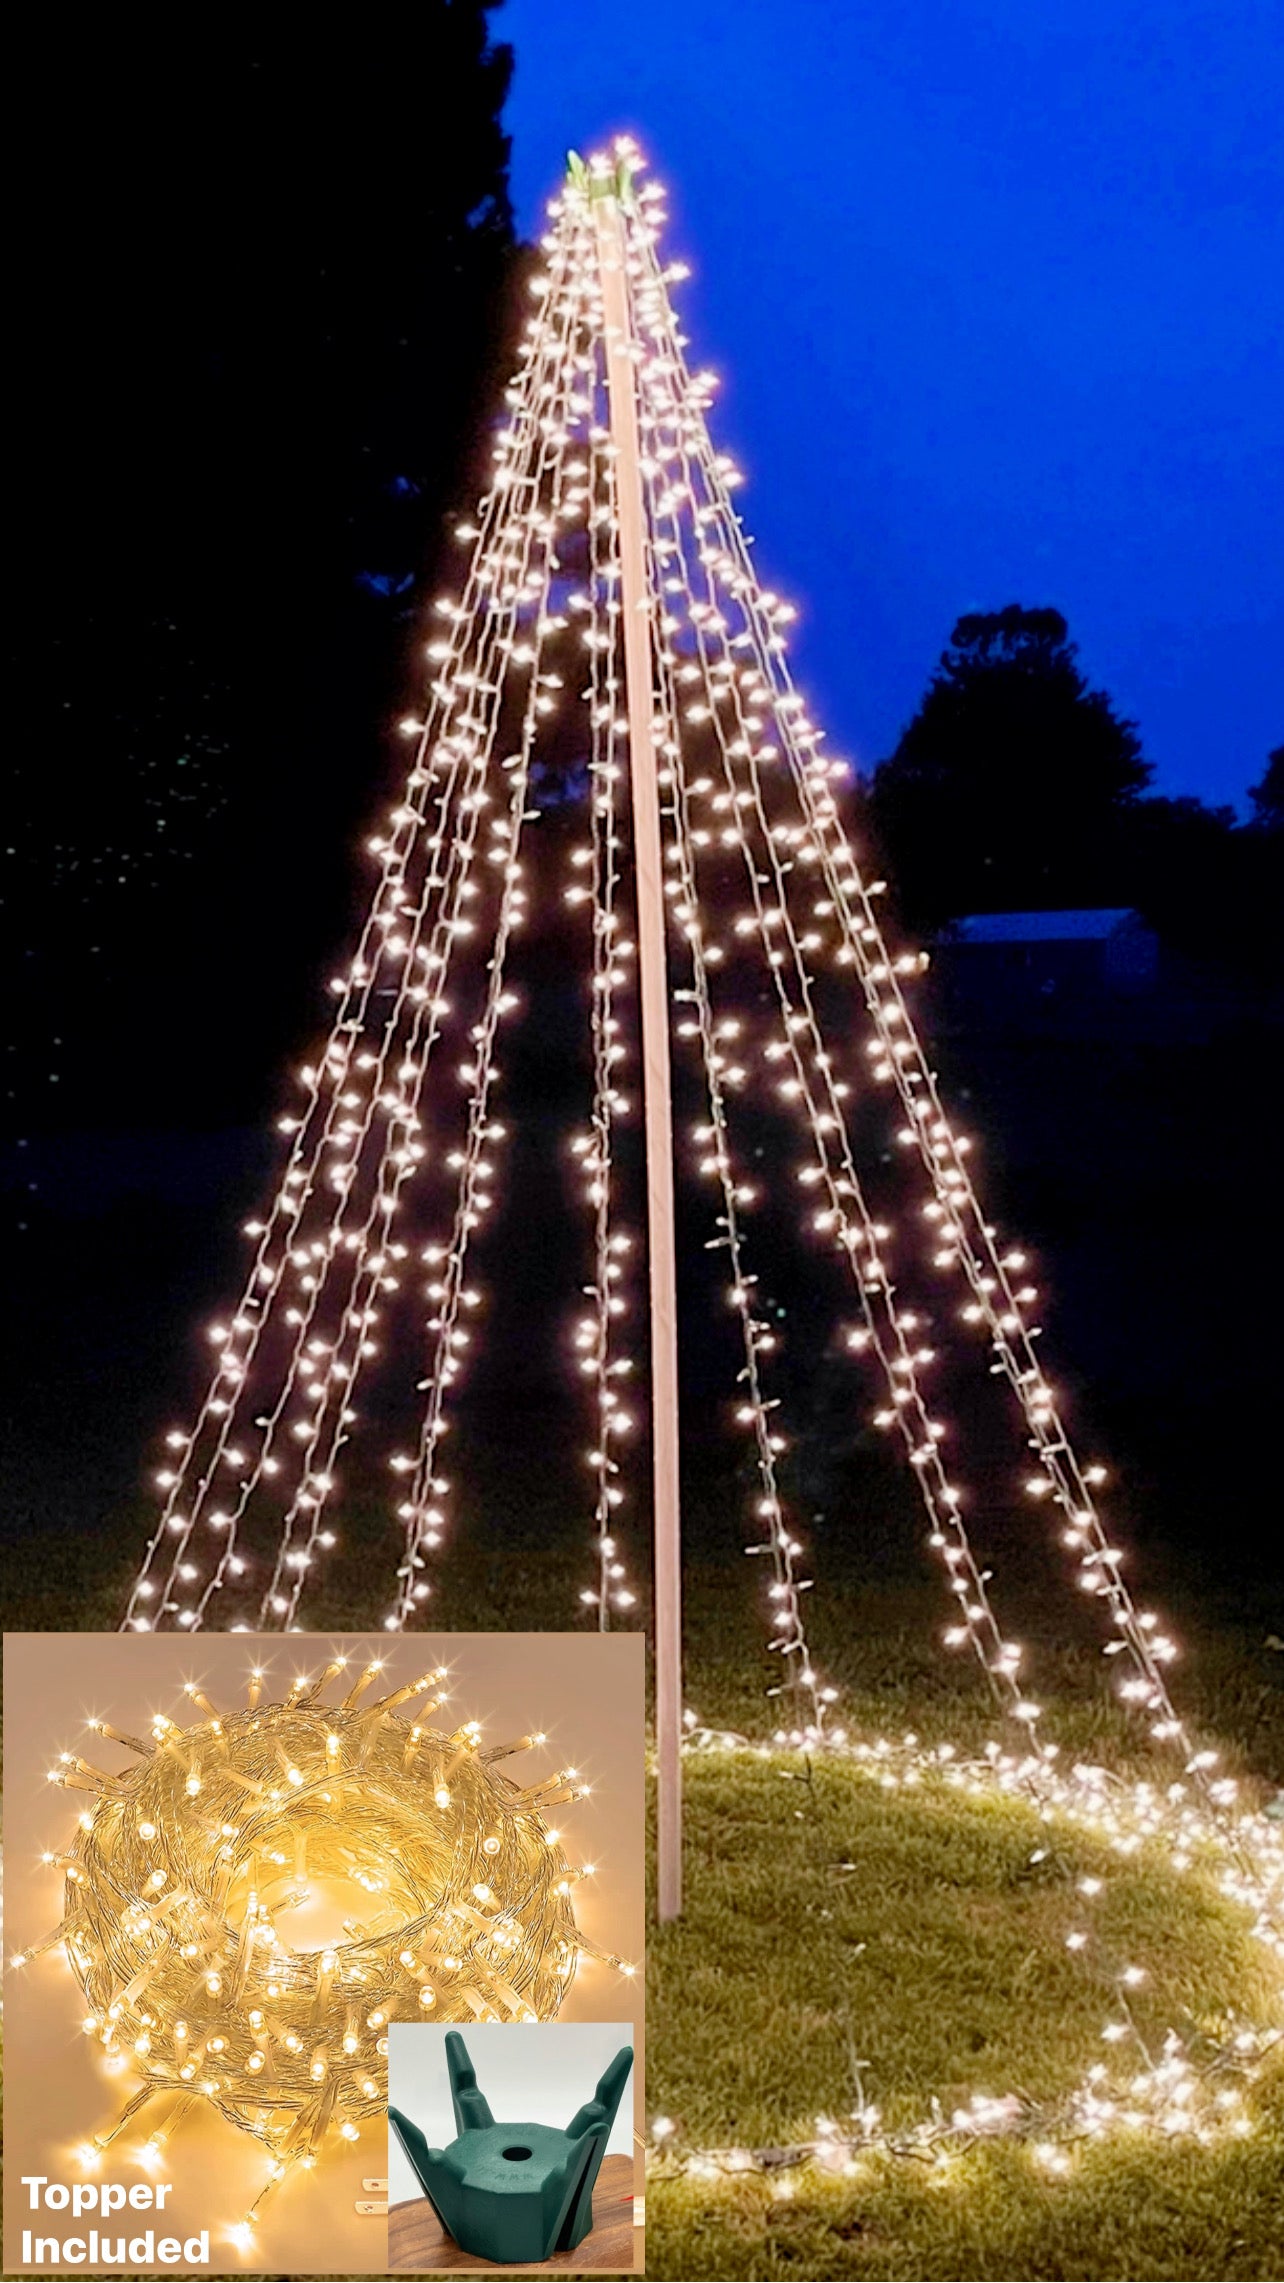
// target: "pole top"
[[600, 179]]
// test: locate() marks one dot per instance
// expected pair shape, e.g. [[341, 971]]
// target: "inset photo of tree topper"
[[510, 2149]]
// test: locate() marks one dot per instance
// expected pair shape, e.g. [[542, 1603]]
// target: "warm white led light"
[[172, 1902]]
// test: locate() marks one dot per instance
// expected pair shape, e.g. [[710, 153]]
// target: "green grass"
[[937, 1960], [829, 1916], [1133, 2213]]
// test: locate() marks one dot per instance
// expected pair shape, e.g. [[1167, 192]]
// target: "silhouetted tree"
[[1009, 786], [1268, 795], [264, 289]]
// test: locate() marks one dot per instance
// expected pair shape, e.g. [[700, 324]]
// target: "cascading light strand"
[[395, 1168], [596, 1344], [509, 608], [995, 1303], [845, 1220], [523, 608], [373, 1254], [251, 1320], [419, 1512], [889, 1331], [266, 1292], [788, 1633]]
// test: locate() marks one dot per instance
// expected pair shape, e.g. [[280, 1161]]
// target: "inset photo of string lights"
[[231, 1871]]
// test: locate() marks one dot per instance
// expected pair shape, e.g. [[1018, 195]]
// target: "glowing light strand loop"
[[177, 1875]]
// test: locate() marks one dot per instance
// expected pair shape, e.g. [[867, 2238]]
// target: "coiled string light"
[[178, 1872]]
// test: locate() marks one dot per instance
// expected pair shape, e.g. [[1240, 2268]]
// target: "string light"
[[1194, 2086], [748, 786], [178, 1873], [997, 1302], [373, 1064], [517, 597], [419, 1513], [749, 790], [595, 1337], [788, 1633], [817, 1097], [683, 473]]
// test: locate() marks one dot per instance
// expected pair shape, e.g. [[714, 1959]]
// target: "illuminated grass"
[[758, 2001], [1131, 2212], [917, 1931], [938, 1961]]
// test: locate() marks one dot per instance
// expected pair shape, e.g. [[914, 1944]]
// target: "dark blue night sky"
[[997, 296]]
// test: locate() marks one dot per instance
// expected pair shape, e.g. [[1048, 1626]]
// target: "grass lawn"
[[829, 1923], [826, 1920]]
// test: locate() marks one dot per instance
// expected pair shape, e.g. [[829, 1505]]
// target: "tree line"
[[267, 294], [265, 284], [1017, 786]]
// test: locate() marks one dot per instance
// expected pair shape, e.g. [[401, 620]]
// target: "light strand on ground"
[[1193, 2085], [1180, 2096]]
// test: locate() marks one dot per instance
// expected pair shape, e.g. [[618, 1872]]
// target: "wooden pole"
[[657, 1094]]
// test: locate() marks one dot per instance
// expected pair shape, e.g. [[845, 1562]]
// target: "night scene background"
[[996, 296]]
